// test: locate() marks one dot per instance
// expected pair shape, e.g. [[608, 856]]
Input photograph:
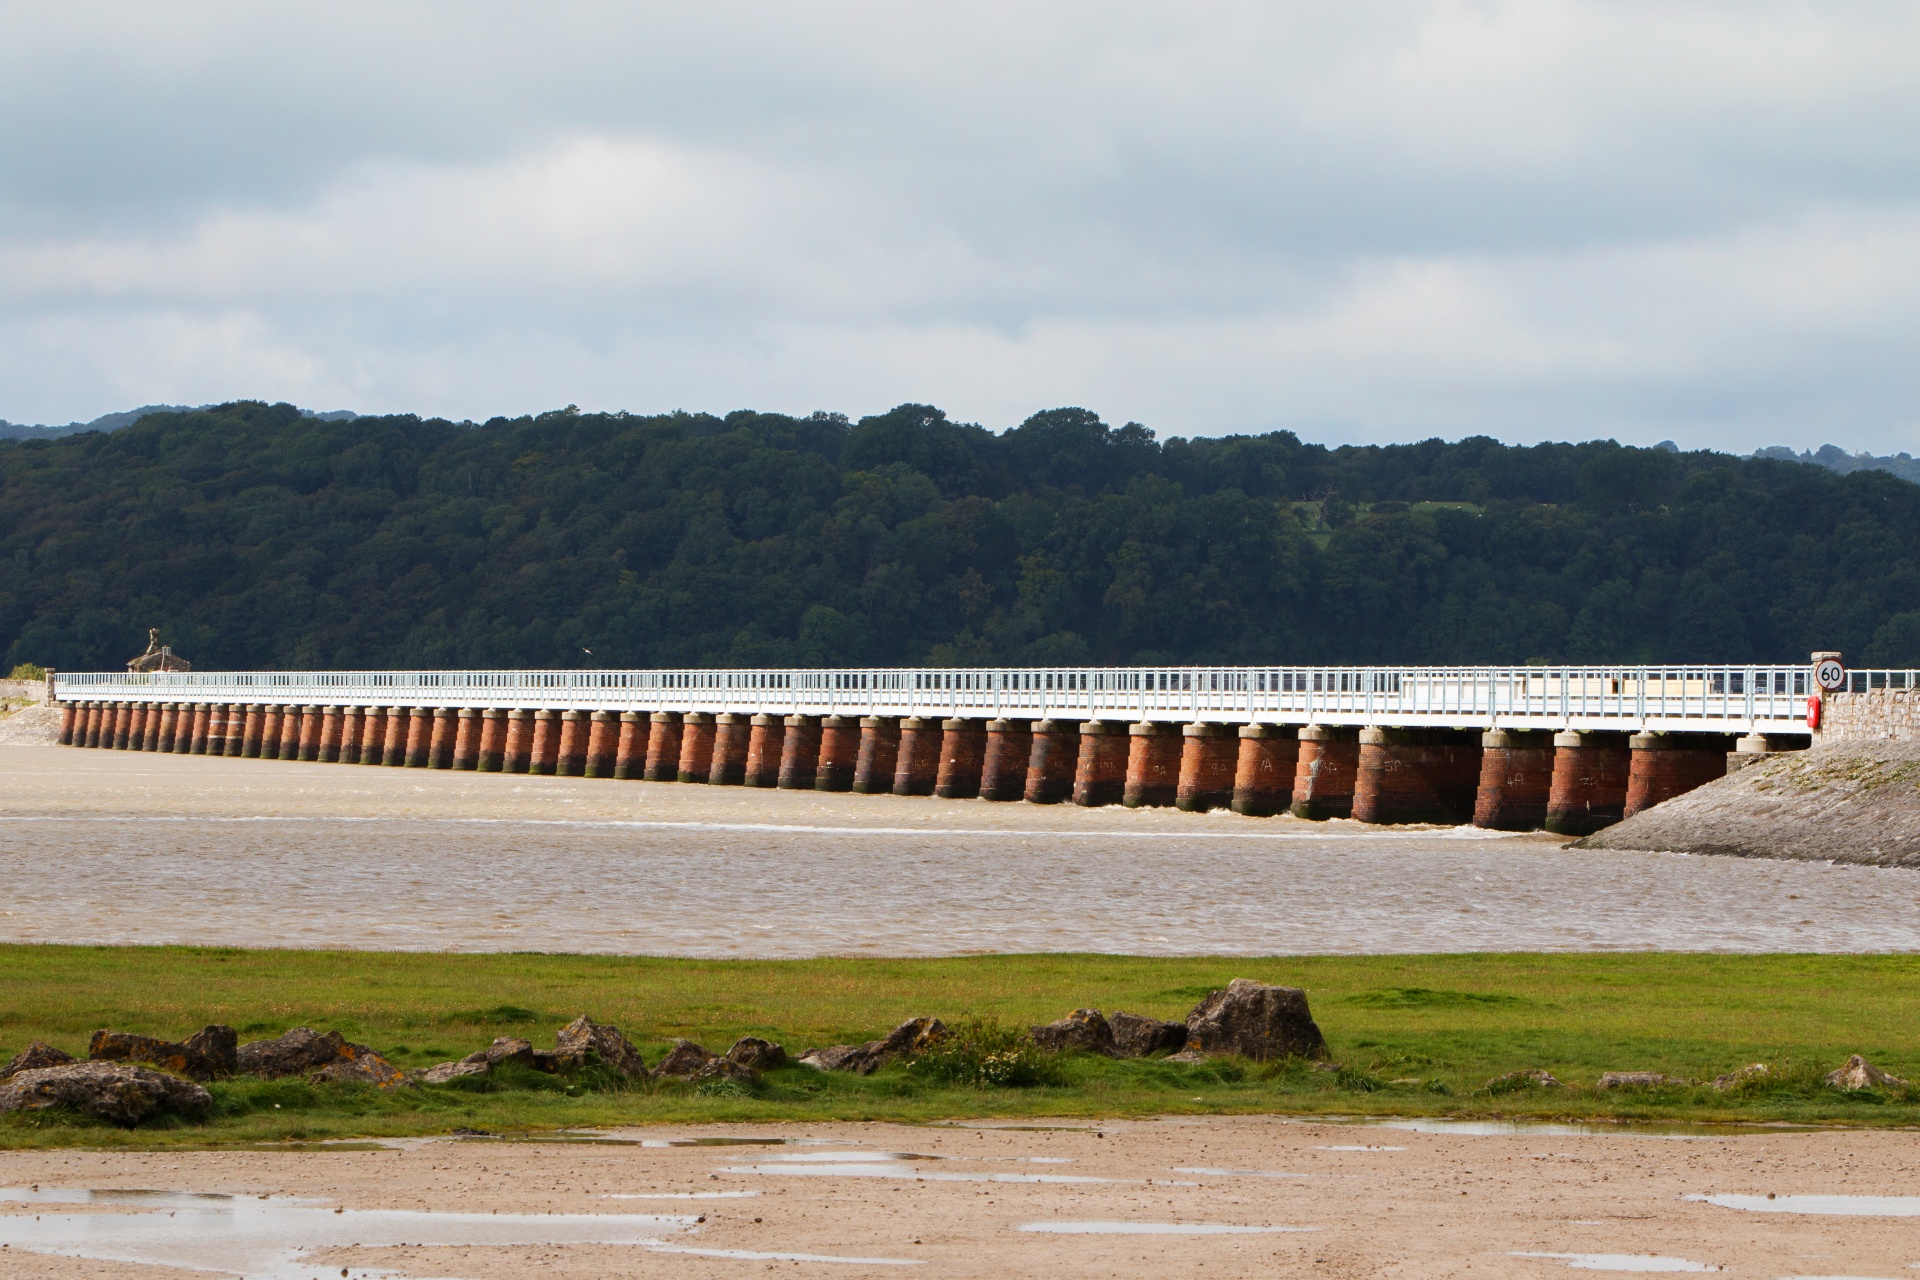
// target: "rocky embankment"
[[30, 727], [1856, 801]]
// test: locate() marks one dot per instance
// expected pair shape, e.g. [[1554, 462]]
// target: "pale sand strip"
[[1445, 1205]]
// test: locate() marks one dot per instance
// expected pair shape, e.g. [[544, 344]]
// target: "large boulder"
[[1254, 1020], [1085, 1030], [210, 1053], [1861, 1074], [760, 1055], [298, 1052], [685, 1059], [116, 1092], [905, 1040], [583, 1042], [35, 1056], [1136, 1035]]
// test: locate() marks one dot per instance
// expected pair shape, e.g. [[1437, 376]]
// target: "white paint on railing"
[[1765, 699]]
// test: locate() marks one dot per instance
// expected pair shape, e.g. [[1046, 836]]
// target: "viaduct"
[[1568, 749]]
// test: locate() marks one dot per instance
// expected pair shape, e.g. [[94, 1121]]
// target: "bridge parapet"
[[1721, 699]]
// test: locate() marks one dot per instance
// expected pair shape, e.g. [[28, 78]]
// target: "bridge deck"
[[1712, 699]]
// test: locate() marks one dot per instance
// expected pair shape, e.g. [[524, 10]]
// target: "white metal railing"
[[1699, 698]]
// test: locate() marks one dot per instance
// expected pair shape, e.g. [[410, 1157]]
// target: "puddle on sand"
[[1841, 1206], [1550, 1129], [681, 1195], [1243, 1173], [1151, 1229], [270, 1239], [738, 1142], [861, 1164], [1014, 1128], [1642, 1262], [851, 1157], [1359, 1147], [753, 1255]]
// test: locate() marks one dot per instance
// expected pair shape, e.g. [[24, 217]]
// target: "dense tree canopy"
[[255, 537]]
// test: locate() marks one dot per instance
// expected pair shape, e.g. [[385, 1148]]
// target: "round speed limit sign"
[[1830, 675]]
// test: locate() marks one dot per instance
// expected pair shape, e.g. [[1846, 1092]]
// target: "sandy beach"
[[1215, 1197]]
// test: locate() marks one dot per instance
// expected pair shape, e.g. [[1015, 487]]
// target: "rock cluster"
[[1246, 1018], [586, 1043], [580, 1044], [322, 1057], [905, 1040], [504, 1050], [1637, 1080]]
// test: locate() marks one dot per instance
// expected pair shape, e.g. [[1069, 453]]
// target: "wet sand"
[[118, 847], [1444, 1204]]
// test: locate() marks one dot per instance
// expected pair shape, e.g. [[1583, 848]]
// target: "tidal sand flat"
[[115, 847], [1080, 1199]]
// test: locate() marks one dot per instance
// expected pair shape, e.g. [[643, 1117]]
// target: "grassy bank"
[[1417, 1035]]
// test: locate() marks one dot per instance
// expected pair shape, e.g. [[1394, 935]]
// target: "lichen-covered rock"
[[116, 1092], [905, 1040], [1136, 1035], [1858, 1073], [840, 1057], [727, 1069], [208, 1054], [685, 1059], [1254, 1020], [35, 1056], [298, 1052], [357, 1064], [1734, 1079], [911, 1036], [504, 1049], [448, 1072], [584, 1042], [758, 1054], [1084, 1029], [1636, 1080]]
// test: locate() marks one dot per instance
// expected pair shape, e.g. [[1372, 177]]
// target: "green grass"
[[1415, 1035]]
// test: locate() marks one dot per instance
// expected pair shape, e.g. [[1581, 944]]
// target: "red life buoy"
[[1813, 712]]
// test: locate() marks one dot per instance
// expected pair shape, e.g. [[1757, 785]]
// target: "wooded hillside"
[[255, 537]]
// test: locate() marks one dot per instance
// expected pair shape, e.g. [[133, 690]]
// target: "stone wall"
[[1880, 715]]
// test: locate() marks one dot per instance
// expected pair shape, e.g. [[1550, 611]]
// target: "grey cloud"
[[1382, 220]]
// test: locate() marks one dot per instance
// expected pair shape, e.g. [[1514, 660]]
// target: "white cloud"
[[1541, 220]]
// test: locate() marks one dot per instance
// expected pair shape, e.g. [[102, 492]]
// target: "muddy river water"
[[113, 847]]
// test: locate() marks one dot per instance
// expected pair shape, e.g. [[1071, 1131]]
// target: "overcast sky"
[[1362, 222]]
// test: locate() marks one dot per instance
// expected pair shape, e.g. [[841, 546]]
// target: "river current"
[[110, 847]]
